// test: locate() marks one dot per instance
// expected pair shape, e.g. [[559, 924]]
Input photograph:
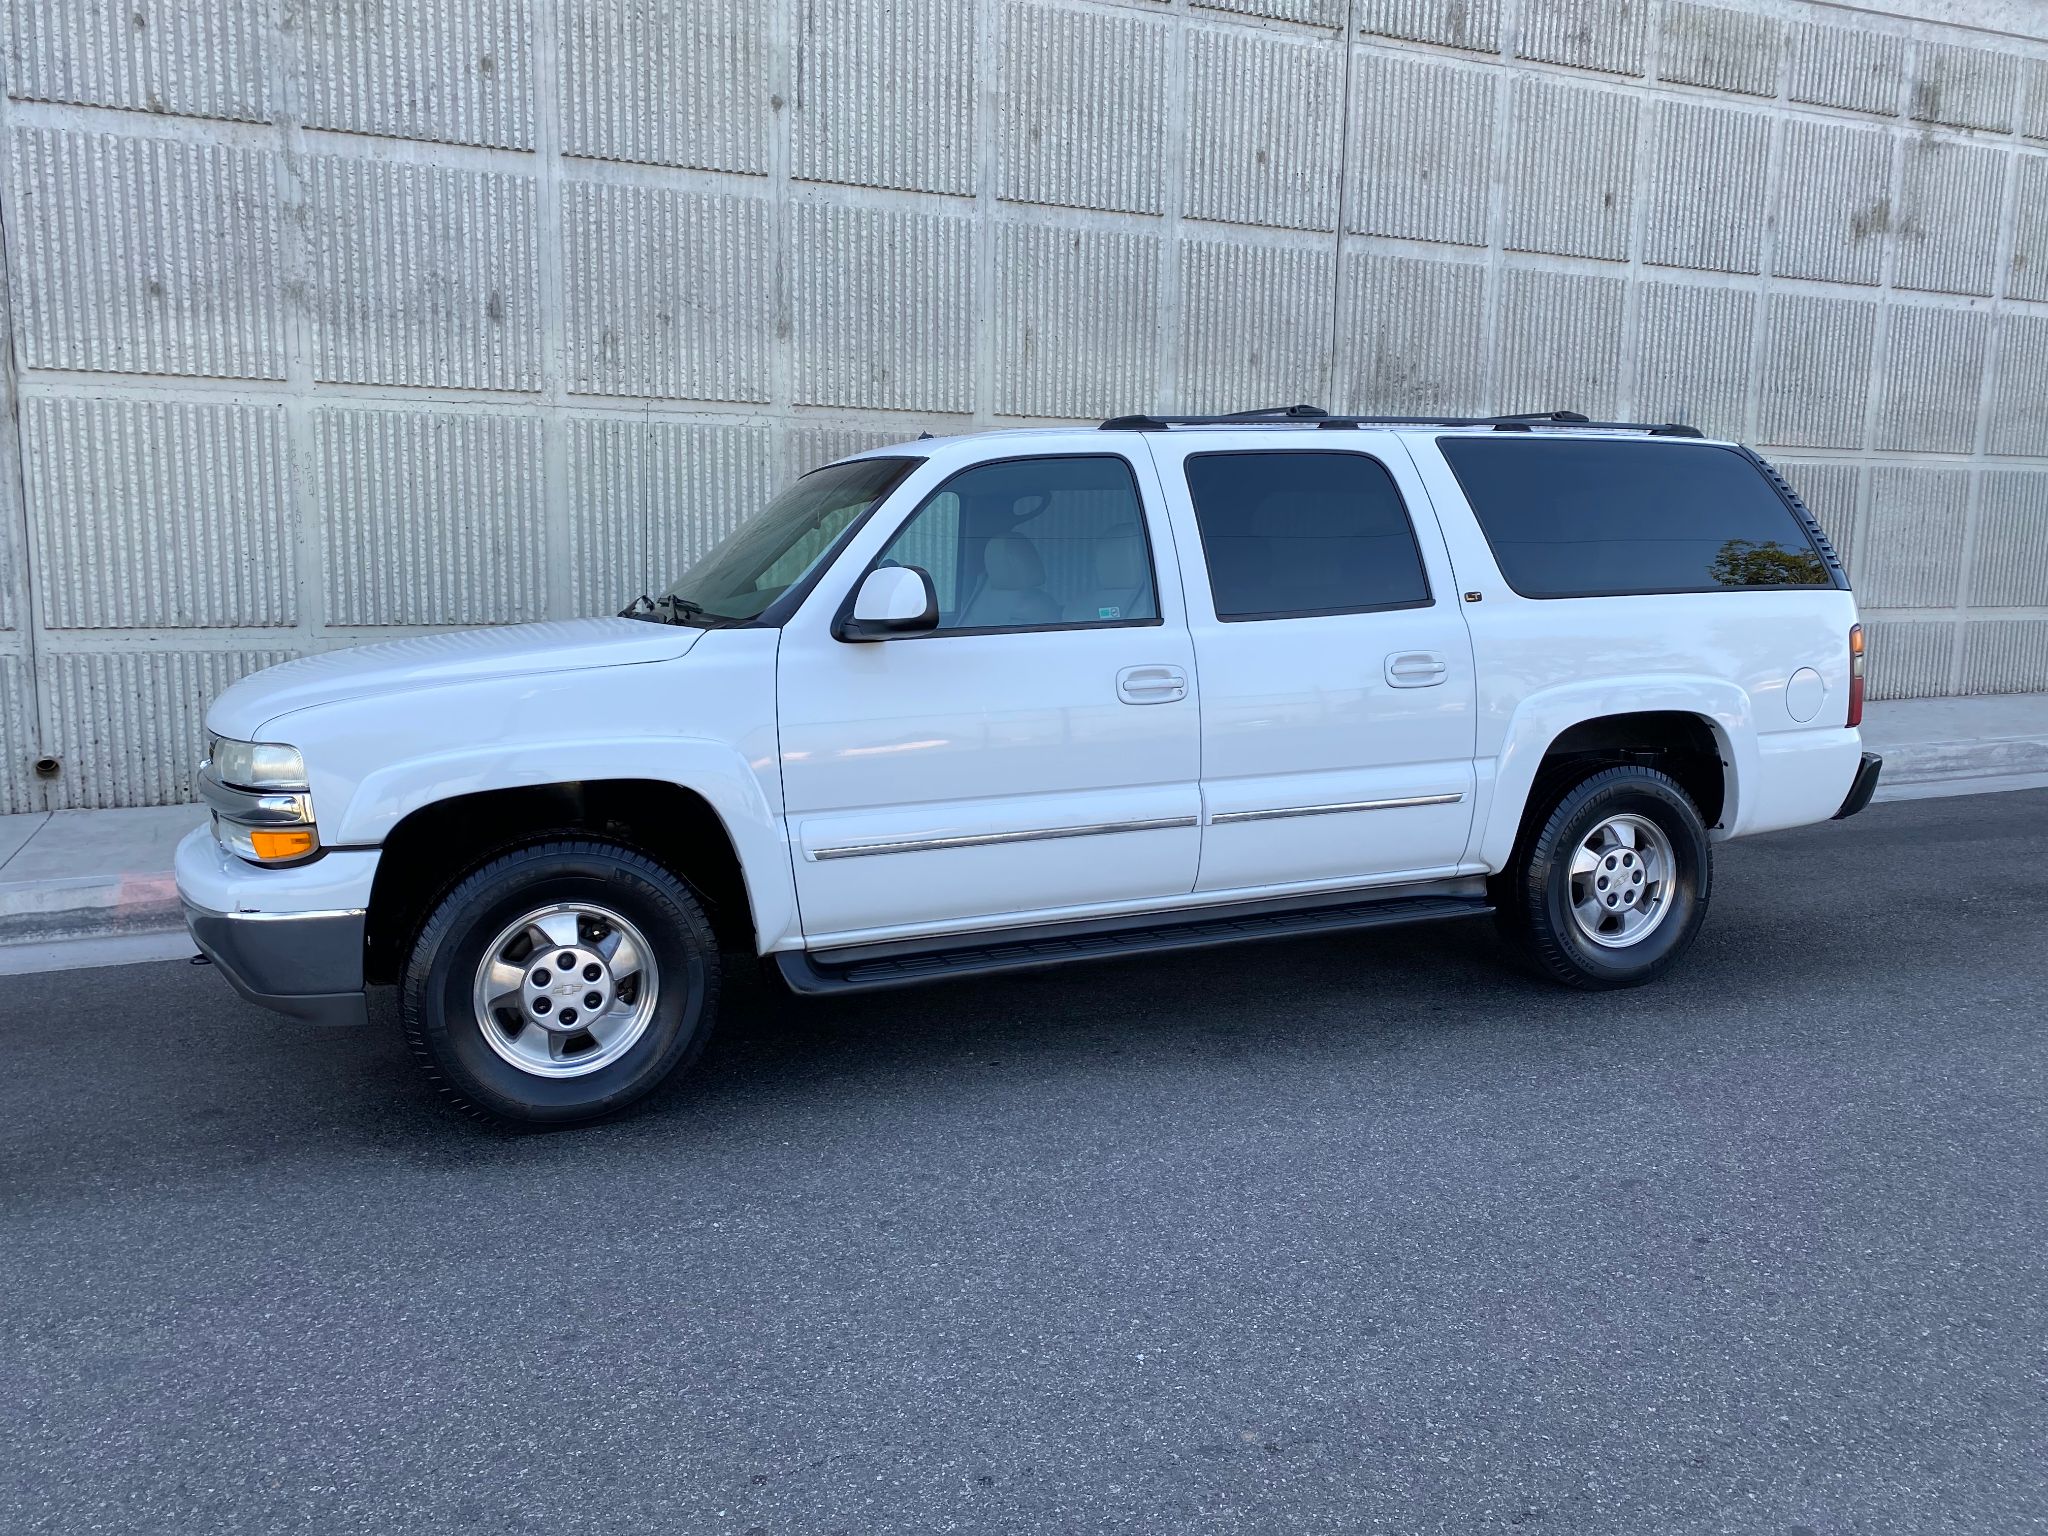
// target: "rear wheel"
[[1610, 887], [560, 983]]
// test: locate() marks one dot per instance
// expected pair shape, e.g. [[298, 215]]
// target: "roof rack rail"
[[1309, 415]]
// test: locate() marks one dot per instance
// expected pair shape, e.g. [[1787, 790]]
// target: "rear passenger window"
[[1047, 543], [1288, 535], [1579, 517]]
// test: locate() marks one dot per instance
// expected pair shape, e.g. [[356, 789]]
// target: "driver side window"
[[1050, 543]]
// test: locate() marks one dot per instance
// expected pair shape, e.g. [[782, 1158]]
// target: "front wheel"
[[1609, 888], [560, 983]]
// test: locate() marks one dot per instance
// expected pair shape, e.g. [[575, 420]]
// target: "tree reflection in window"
[[1750, 563]]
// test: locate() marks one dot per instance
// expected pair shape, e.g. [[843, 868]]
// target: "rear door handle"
[[1416, 669], [1151, 685]]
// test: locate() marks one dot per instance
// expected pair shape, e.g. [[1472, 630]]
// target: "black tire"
[[1533, 896], [437, 993]]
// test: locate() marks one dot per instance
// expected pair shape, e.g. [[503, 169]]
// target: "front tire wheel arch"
[[443, 1023]]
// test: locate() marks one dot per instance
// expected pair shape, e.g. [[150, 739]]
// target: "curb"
[[1932, 767], [48, 911]]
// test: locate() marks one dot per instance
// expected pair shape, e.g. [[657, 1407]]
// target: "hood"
[[436, 661]]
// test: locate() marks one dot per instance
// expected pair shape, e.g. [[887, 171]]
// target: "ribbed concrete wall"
[[334, 319]]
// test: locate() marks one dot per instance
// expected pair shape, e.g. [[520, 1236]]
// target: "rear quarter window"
[[1581, 517]]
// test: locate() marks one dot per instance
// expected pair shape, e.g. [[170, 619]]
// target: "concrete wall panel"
[[1263, 128], [2019, 391], [1414, 336], [457, 71], [399, 488], [1065, 353], [1948, 217], [1816, 371], [159, 514], [196, 58], [664, 295], [1913, 552], [1933, 376], [425, 276], [2005, 656], [1693, 356], [2027, 273], [1850, 66], [1560, 341], [884, 94], [1072, 82], [1608, 35], [1421, 148], [1833, 492], [2034, 103], [1965, 86], [2010, 566], [17, 738], [1834, 202], [884, 308], [145, 255], [1705, 213], [1571, 170], [1725, 48], [1314, 13], [1253, 323], [1909, 659], [18, 750], [666, 85], [1474, 24]]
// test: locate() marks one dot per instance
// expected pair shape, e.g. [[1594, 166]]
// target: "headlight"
[[261, 807], [258, 764]]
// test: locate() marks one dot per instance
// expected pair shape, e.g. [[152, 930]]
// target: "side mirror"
[[894, 600]]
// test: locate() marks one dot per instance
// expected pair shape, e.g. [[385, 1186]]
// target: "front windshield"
[[774, 550]]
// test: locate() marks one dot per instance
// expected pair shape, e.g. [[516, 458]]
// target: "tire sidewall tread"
[[439, 1021], [1534, 901]]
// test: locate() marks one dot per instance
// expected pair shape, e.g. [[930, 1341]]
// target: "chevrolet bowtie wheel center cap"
[[567, 989]]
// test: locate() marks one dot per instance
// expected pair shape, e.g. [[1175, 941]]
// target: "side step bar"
[[870, 967]]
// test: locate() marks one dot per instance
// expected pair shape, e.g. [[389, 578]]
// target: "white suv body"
[[1174, 684]]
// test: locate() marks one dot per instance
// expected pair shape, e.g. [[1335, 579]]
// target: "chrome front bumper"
[[306, 965]]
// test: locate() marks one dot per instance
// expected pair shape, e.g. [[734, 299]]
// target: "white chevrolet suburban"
[[1000, 701]]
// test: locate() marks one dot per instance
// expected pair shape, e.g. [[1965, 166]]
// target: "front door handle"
[[1416, 669], [1151, 685]]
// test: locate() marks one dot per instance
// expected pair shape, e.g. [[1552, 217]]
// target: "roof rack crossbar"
[[1310, 416]]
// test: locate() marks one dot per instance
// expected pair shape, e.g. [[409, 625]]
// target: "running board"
[[869, 967]]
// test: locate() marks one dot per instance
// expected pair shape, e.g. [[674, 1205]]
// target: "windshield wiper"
[[670, 609]]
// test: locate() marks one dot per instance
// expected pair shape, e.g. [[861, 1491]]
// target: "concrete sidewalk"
[[94, 887], [91, 887]]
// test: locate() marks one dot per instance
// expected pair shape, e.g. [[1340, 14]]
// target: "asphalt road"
[[1354, 1234]]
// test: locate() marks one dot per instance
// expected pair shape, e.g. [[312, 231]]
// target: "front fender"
[[705, 723], [712, 769], [1544, 716]]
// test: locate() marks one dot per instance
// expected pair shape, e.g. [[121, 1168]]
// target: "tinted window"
[[1587, 518], [1292, 534], [1034, 544]]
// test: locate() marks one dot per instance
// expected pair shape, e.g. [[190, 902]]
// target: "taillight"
[[1855, 674]]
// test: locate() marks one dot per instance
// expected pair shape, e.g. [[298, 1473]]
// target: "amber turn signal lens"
[[293, 843]]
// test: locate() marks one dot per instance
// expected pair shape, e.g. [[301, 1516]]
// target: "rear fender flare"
[[1543, 717]]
